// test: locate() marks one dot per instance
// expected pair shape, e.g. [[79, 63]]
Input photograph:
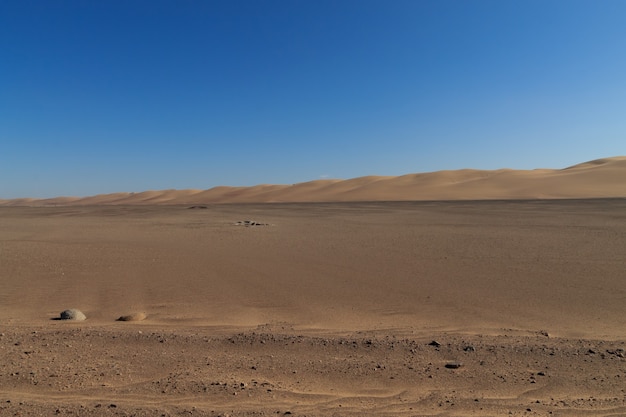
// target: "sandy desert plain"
[[509, 303]]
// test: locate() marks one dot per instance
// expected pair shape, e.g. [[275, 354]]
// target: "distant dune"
[[601, 178]]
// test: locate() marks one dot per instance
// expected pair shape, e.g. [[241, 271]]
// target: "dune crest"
[[600, 178]]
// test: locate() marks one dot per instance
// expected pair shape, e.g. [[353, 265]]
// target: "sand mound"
[[73, 314], [133, 317]]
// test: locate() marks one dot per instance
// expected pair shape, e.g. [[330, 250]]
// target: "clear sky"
[[117, 95]]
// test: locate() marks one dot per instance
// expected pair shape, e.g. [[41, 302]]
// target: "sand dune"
[[601, 178]]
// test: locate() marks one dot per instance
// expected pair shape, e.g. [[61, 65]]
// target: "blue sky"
[[107, 96]]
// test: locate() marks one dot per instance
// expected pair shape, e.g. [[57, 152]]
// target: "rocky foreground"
[[273, 370]]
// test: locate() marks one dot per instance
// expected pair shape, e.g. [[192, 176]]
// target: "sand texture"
[[601, 178], [472, 308]]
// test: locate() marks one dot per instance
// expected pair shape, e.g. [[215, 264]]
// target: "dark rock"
[[250, 223], [453, 365]]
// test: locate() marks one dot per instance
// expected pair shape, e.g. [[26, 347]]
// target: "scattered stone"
[[616, 352], [469, 349], [133, 317], [453, 365], [73, 314], [434, 343], [250, 223]]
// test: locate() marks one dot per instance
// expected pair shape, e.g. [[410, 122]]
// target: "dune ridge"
[[600, 178]]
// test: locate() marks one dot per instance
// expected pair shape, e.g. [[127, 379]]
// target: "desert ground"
[[472, 308]]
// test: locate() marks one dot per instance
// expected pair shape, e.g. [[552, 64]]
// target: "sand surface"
[[326, 309]]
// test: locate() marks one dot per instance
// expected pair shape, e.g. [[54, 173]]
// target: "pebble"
[[453, 365], [250, 223]]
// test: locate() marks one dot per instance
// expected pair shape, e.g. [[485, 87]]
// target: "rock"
[[453, 365], [616, 352], [73, 314], [133, 317], [434, 343], [250, 223]]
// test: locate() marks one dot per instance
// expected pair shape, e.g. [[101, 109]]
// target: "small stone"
[[73, 314], [453, 365], [434, 343], [250, 223]]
